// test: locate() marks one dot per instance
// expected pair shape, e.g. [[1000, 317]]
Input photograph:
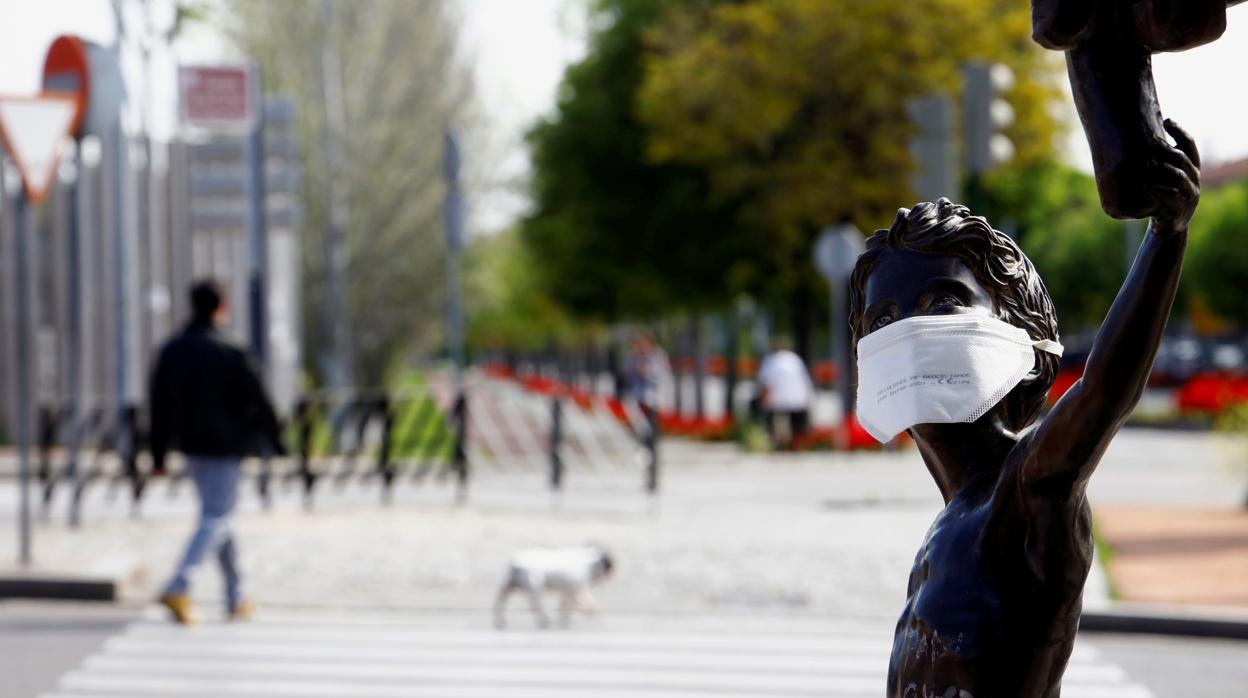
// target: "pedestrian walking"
[[207, 401], [785, 391], [648, 372]]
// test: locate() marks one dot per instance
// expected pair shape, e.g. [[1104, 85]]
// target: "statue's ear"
[[1032, 376]]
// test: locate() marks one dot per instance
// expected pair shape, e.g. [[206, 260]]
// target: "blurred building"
[[114, 248]]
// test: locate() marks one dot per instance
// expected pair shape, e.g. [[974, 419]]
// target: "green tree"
[[508, 305], [381, 78], [1054, 212], [616, 234], [797, 108], [1217, 258], [700, 145]]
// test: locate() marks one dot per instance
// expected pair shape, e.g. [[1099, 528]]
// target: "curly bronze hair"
[[1019, 296]]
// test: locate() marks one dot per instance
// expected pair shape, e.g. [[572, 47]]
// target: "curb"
[[59, 588], [1225, 624]]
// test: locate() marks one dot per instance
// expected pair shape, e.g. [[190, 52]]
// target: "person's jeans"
[[216, 482]]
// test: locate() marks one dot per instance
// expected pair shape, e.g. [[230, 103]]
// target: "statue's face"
[[904, 284]]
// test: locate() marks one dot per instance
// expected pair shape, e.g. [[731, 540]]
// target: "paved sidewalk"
[[1177, 554], [828, 534], [824, 533]]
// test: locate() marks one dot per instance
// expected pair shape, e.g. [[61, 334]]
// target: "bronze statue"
[[995, 594]]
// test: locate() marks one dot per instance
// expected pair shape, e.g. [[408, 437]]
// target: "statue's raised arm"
[[1109, 46], [1068, 444]]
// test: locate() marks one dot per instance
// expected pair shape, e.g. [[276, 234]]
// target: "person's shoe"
[[180, 607], [243, 610]]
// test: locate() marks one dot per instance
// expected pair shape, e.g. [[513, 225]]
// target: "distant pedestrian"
[[648, 372], [208, 402], [785, 391]]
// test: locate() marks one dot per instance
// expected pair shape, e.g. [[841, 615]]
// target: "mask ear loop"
[[1049, 347]]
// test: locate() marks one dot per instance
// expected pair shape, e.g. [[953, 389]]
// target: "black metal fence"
[[373, 438]]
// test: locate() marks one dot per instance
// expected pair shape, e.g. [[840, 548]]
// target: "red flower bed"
[[672, 424], [1213, 393], [825, 372]]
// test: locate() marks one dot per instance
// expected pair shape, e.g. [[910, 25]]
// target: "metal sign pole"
[[845, 373], [838, 359], [73, 316], [453, 215], [257, 237], [121, 288], [836, 252], [21, 334]]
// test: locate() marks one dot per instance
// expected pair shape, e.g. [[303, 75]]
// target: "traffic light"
[[986, 115], [933, 146]]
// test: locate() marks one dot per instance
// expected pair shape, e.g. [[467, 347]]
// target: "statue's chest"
[[956, 599]]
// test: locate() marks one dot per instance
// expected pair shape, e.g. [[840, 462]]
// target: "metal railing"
[[371, 438]]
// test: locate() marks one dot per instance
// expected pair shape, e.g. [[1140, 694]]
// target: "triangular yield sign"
[[33, 129]]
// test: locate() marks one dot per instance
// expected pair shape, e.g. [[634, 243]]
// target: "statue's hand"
[[1175, 186]]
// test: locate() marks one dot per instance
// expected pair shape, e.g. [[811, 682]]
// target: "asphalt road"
[[40, 641], [1188, 667]]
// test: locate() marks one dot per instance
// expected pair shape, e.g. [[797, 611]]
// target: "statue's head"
[[937, 258]]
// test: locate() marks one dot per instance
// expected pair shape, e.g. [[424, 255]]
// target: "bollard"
[[128, 451], [652, 450], [92, 424], [304, 418], [385, 468], [47, 439], [556, 442], [263, 482], [459, 458]]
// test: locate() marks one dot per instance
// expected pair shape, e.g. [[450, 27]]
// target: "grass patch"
[[420, 428], [1105, 555]]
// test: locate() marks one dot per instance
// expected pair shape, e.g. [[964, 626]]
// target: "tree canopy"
[[700, 146], [1217, 260], [1054, 212], [617, 234], [390, 66]]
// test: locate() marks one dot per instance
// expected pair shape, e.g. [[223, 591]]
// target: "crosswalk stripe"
[[481, 688], [476, 619], [327, 655], [558, 669], [470, 639], [807, 661]]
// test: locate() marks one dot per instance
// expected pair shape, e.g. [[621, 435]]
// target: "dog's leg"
[[567, 604], [535, 600], [585, 602], [500, 604], [513, 581]]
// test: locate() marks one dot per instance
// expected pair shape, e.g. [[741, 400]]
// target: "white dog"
[[568, 571]]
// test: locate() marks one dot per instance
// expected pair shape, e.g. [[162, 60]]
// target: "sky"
[[520, 48]]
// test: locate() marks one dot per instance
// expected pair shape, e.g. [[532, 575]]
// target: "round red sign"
[[66, 71]]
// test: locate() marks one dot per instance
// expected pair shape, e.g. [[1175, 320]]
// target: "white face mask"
[[940, 369]]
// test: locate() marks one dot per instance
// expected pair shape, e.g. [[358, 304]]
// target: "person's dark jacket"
[[207, 400]]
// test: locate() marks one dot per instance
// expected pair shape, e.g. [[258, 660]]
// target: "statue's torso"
[[979, 621]]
